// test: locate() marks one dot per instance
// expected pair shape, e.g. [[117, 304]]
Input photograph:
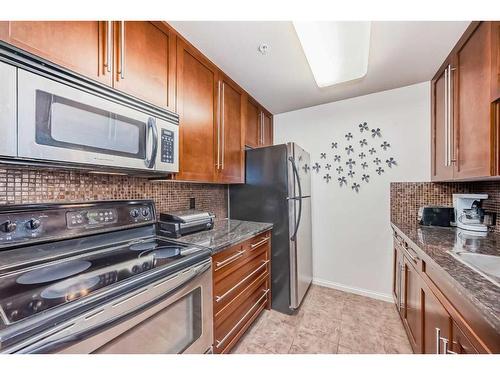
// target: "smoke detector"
[[263, 48]]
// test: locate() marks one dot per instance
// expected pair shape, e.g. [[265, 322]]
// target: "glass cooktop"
[[32, 290]]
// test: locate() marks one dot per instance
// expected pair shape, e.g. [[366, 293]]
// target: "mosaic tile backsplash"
[[407, 197], [43, 186]]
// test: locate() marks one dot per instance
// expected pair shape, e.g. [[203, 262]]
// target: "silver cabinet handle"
[[414, 258], [451, 152], [261, 242], [221, 342], [262, 128], [446, 122], [218, 123], [122, 49], [229, 260], [445, 346], [438, 341], [223, 130], [220, 298], [109, 45]]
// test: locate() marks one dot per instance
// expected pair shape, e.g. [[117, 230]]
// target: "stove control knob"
[[145, 212], [33, 224], [134, 213], [8, 226]]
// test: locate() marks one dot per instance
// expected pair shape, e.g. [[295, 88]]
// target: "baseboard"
[[349, 289]]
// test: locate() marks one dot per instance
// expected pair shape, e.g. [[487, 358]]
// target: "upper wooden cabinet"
[[81, 46], [211, 109], [465, 102], [197, 105], [137, 58], [230, 130], [145, 61], [259, 125]]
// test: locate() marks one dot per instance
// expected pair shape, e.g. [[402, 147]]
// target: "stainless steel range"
[[96, 278]]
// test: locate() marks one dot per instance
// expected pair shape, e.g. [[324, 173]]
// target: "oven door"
[[60, 123], [173, 315]]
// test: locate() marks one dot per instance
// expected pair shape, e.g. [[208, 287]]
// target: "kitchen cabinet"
[[212, 115], [435, 318], [84, 47], [230, 132], [241, 289], [259, 125], [465, 121], [136, 57], [267, 128], [412, 307], [436, 322], [145, 61], [197, 106]]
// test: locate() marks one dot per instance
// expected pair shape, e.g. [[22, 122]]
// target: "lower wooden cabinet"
[[241, 289], [434, 319]]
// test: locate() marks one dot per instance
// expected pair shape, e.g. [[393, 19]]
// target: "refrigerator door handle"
[[296, 173]]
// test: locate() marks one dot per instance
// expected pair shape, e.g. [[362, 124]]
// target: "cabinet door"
[[441, 134], [461, 343], [436, 322], [473, 117], [197, 101], [230, 133], [145, 62], [81, 46], [252, 124], [412, 313], [267, 129], [397, 281]]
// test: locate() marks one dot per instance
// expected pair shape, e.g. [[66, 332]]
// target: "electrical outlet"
[[192, 203]]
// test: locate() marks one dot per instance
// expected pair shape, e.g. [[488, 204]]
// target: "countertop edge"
[[229, 243]]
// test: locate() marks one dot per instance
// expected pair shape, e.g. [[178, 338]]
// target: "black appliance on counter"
[[436, 216], [97, 277], [179, 223]]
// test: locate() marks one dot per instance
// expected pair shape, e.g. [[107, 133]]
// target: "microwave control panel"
[[167, 146]]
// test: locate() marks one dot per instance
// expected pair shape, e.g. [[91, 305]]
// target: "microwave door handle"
[[151, 129]]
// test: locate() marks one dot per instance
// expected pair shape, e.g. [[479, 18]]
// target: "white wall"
[[352, 243]]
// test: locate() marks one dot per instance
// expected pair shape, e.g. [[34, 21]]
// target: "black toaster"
[[436, 216]]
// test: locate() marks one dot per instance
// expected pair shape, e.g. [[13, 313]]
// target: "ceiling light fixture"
[[336, 51]]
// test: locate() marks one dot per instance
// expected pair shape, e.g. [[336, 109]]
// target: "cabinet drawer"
[[228, 331], [228, 285], [227, 260]]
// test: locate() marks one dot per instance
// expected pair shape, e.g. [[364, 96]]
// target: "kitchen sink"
[[486, 265]]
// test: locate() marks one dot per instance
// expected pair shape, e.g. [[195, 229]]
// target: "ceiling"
[[401, 54]]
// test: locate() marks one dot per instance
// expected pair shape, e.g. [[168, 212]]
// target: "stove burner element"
[[166, 252], [54, 272], [143, 246], [71, 289]]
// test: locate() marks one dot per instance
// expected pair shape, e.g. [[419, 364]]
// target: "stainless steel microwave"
[[45, 120]]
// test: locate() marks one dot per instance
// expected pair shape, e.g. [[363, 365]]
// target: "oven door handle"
[[150, 162], [65, 341]]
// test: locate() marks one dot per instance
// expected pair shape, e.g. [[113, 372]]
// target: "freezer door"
[[302, 162], [300, 250]]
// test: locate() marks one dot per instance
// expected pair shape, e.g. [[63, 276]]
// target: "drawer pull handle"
[[261, 242], [414, 258], [219, 343], [229, 260], [220, 298]]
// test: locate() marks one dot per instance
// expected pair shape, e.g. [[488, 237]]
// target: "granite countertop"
[[438, 242], [226, 233]]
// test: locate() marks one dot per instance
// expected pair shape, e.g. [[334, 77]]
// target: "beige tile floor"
[[329, 321]]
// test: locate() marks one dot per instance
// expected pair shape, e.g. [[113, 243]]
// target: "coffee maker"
[[468, 212]]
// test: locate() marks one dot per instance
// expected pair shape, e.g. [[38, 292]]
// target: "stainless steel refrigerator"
[[277, 189]]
